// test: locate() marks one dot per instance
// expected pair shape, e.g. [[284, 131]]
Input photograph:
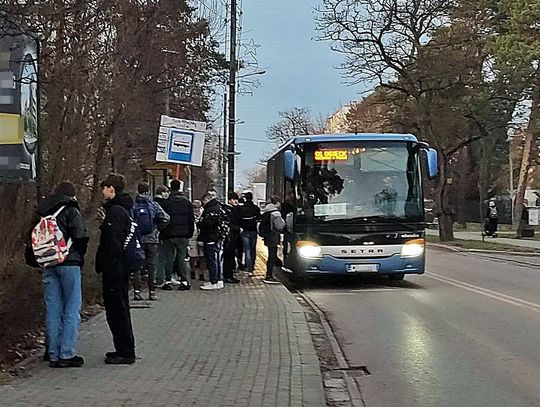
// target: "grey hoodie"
[[277, 225]]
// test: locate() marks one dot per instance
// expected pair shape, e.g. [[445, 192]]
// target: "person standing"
[[196, 253], [162, 193], [111, 264], [492, 219], [150, 218], [213, 230], [271, 227], [250, 214], [232, 241], [62, 282], [175, 237]]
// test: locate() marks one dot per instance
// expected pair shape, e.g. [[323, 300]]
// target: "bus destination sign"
[[331, 155]]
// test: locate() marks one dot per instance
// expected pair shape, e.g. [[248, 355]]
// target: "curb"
[[455, 249]]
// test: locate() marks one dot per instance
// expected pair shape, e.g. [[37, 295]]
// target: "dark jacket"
[[159, 200], [114, 230], [182, 223], [249, 214], [71, 223], [208, 225], [233, 213]]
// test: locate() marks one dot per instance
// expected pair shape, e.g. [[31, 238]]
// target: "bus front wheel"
[[396, 276]]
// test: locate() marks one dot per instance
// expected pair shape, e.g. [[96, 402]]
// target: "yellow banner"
[[11, 129]]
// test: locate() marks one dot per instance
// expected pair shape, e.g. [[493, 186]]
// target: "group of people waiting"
[[176, 237]]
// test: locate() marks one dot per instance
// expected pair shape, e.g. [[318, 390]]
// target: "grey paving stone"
[[248, 345]]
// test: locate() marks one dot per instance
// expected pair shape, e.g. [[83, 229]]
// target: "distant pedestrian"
[[250, 214], [492, 219], [232, 240], [196, 252], [111, 264], [175, 239], [270, 228], [151, 218], [213, 228], [61, 272]]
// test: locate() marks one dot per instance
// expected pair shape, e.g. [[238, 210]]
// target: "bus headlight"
[[309, 250], [413, 248]]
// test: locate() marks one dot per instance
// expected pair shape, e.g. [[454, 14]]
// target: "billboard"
[[180, 141], [19, 108]]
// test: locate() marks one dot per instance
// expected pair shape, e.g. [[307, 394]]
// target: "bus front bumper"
[[394, 264]]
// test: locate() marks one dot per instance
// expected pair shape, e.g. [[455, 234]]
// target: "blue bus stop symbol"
[[181, 145]]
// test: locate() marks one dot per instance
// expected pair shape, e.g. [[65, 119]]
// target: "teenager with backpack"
[[150, 218], [113, 262], [175, 239], [249, 214], [59, 243], [213, 229], [270, 229]]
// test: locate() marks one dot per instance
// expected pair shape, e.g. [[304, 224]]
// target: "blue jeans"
[[249, 240], [214, 261], [62, 291]]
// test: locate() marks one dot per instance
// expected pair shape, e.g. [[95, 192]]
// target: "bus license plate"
[[362, 268]]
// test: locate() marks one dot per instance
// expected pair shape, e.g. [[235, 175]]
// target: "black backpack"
[[265, 227]]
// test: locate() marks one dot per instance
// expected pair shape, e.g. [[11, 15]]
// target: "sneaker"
[[232, 280], [160, 285], [167, 287], [137, 296], [270, 280], [75, 361], [209, 287], [152, 296], [119, 360], [111, 354], [174, 281], [184, 286], [220, 285]]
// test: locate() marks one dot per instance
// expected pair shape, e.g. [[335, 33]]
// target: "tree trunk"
[[530, 137], [446, 219]]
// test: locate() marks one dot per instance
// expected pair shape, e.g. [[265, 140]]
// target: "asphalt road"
[[467, 333]]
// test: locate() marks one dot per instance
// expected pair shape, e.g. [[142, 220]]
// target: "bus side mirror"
[[432, 163], [289, 165]]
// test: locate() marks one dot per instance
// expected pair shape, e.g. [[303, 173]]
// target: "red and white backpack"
[[48, 242]]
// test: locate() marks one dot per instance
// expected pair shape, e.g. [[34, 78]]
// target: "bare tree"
[[292, 122]]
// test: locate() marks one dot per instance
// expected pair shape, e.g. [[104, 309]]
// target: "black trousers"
[[271, 262], [116, 301], [229, 255]]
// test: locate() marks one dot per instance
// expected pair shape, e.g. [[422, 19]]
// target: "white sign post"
[[180, 141]]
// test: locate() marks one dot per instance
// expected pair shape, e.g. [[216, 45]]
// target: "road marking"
[[484, 291]]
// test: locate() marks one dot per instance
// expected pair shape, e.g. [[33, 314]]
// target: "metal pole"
[[232, 99], [223, 152]]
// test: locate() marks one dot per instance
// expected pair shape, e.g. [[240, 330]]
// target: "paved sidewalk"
[[533, 244], [248, 345]]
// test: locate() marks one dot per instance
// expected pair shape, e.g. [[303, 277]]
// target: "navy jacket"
[[182, 223]]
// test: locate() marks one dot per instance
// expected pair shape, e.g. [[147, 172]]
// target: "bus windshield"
[[359, 182]]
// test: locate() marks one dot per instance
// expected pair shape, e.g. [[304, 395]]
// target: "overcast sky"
[[300, 72]]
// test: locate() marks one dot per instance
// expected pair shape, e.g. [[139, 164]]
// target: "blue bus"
[[353, 203]]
